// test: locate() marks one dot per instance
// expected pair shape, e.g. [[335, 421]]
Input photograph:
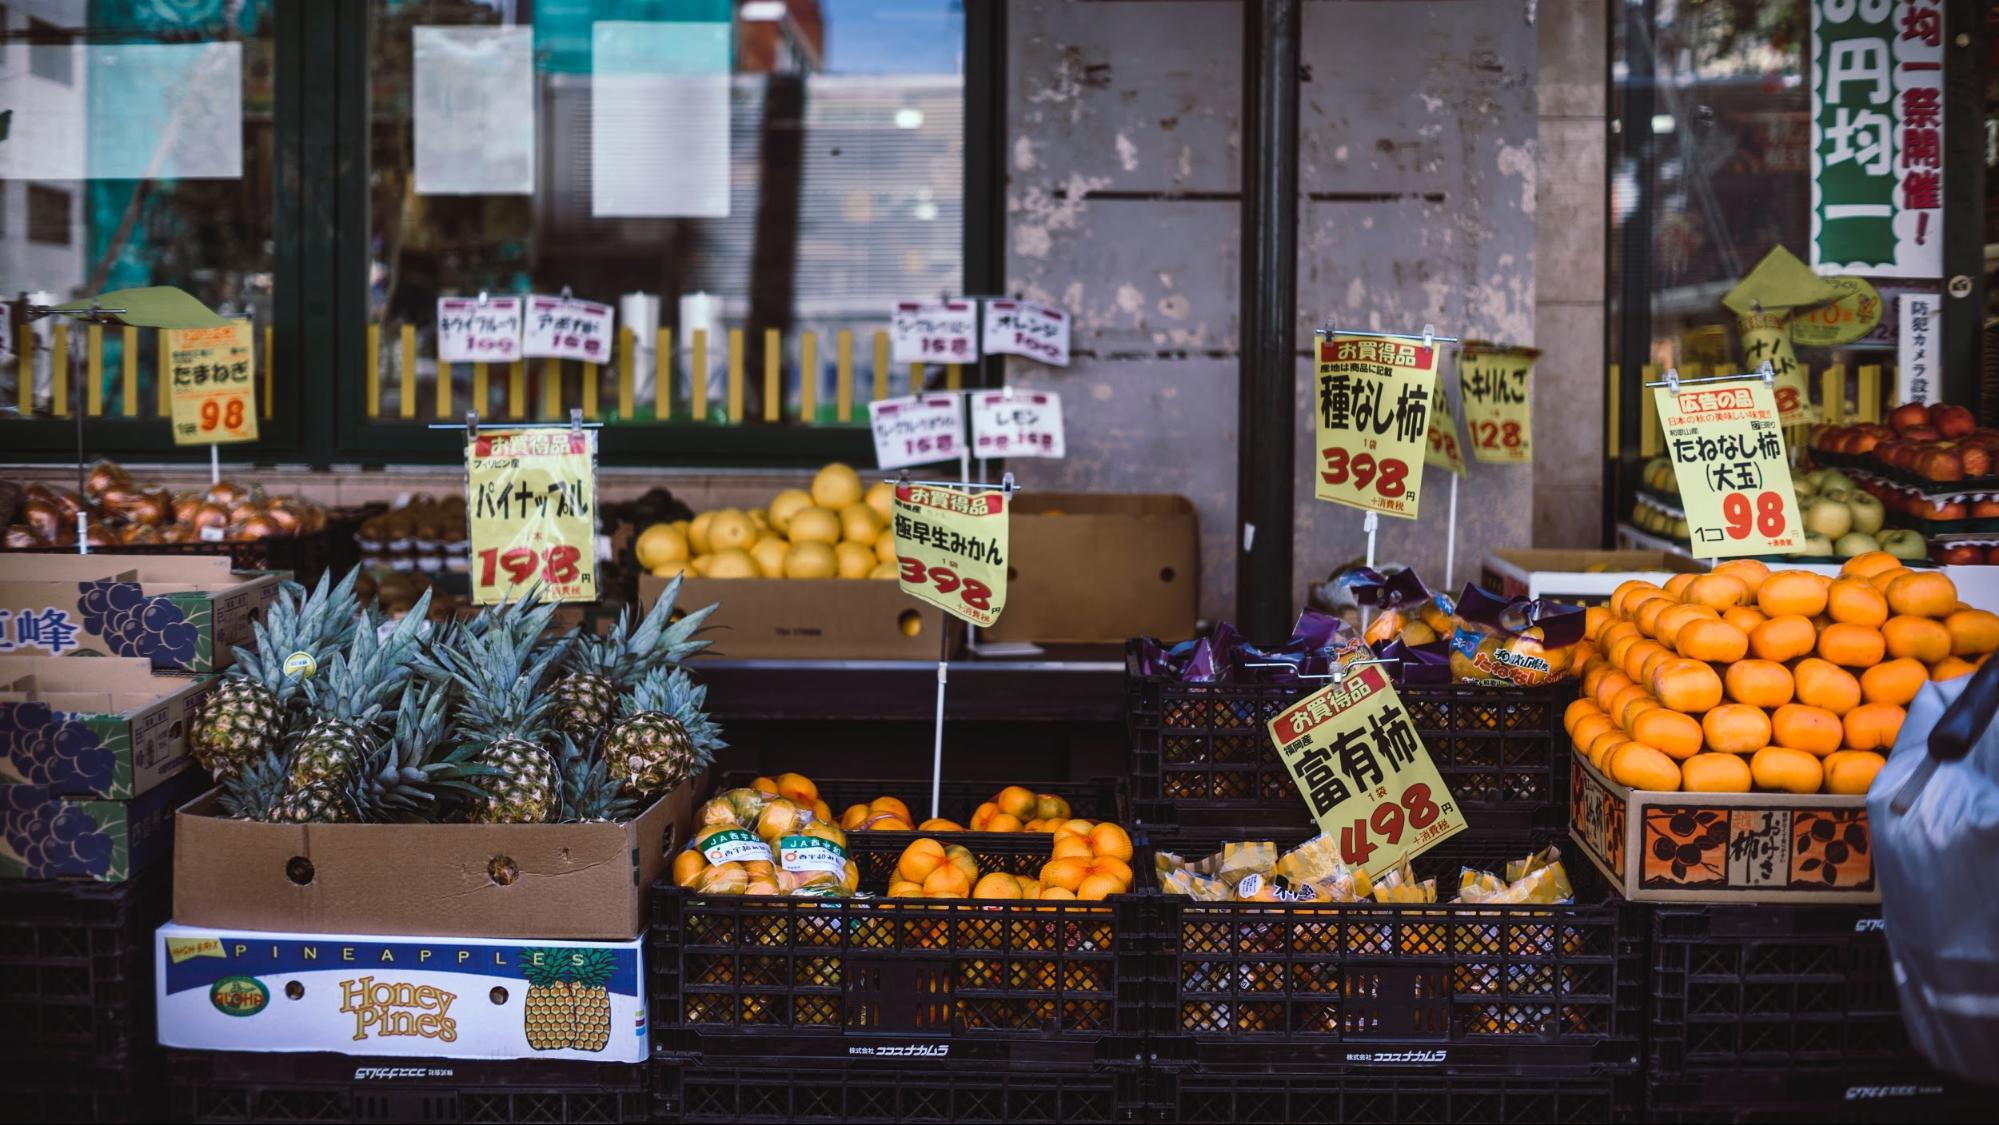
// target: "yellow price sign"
[[1840, 322], [1444, 451], [1727, 445], [1364, 773], [1493, 381], [951, 546], [532, 503], [1373, 421], [212, 384], [1766, 338]]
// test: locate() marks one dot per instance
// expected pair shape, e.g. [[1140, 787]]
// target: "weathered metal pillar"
[[1266, 411]]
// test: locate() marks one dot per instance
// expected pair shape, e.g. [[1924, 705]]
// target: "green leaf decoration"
[[152, 306]]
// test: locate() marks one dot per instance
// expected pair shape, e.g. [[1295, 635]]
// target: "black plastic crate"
[[1357, 1096], [128, 1090], [235, 1086], [1201, 755], [76, 971], [1444, 987], [799, 974], [1754, 1095], [937, 1087], [1744, 985]]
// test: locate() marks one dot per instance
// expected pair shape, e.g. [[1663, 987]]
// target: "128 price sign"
[[951, 546], [1727, 445], [1364, 773], [531, 499], [1373, 420], [212, 385], [1493, 381]]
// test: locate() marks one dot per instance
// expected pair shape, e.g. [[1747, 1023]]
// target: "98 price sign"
[[1364, 772], [1726, 441], [212, 384]]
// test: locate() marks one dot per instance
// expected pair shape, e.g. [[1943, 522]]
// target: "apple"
[[1941, 465], [1976, 459], [1840, 494], [1908, 414], [1922, 433], [1953, 510], [1817, 545], [1863, 443], [1868, 513], [1854, 543], [1804, 485], [1961, 555], [1984, 509], [1903, 543], [1992, 555], [1681, 531], [1953, 421], [1828, 518]]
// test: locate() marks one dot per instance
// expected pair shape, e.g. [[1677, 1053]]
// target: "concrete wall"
[[1423, 150]]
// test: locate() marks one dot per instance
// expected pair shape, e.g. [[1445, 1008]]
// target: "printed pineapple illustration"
[[593, 1000], [548, 1016]]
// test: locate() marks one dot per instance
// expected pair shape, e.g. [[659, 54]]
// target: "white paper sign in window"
[[1016, 424], [659, 119], [472, 330], [129, 111], [474, 110], [934, 332], [917, 429], [566, 328], [1020, 328]]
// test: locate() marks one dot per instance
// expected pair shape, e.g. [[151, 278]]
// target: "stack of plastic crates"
[[223, 1086], [781, 1008], [76, 999], [1784, 1013]]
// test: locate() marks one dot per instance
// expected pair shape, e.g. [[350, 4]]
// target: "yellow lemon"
[[674, 569], [760, 518], [883, 570], [836, 486], [697, 533], [858, 524], [731, 530], [769, 553], [733, 563], [660, 544], [701, 563], [881, 497], [885, 547], [810, 560], [815, 525], [785, 505], [855, 560]]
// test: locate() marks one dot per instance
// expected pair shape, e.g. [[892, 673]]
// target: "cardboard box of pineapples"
[[497, 778]]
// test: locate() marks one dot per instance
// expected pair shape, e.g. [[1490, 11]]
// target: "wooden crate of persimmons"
[[1775, 680]]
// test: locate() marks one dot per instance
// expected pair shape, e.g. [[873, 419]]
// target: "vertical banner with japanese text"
[[1493, 381], [1877, 137], [1373, 421], [1766, 338], [1367, 777], [951, 548], [212, 384], [1727, 447], [531, 498], [1916, 349]]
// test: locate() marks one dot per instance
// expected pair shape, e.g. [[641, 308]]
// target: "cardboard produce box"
[[1098, 567], [45, 834], [220, 989], [1567, 575], [1722, 847], [181, 613], [104, 728], [581, 882], [807, 618]]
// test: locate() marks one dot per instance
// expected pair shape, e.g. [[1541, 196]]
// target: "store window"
[[747, 188], [138, 151]]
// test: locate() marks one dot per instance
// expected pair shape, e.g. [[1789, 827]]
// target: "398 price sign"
[[1372, 420], [951, 549], [1365, 774]]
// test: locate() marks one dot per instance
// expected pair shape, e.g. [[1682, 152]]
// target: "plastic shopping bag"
[[1934, 809]]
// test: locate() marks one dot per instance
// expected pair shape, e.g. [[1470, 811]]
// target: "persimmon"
[[1652, 663], [1633, 663], [1714, 641], [1800, 726], [1852, 772], [1643, 767], [1607, 689], [1736, 728], [1589, 728], [1686, 685], [1786, 770], [1715, 773], [1677, 585], [1895, 681], [1717, 592], [1919, 638], [1749, 572], [1633, 705], [1671, 620], [1873, 726], [1675, 735], [1745, 618], [1868, 564], [1797, 592], [1854, 602], [1950, 668], [1604, 746], [1595, 620], [1783, 638], [1924, 593], [1578, 709], [1759, 683], [1824, 684], [1852, 646], [1973, 632], [1886, 578], [1624, 590]]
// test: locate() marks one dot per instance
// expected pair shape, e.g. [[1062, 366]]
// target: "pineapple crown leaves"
[[596, 970], [407, 779], [371, 671], [675, 641], [314, 624], [589, 792], [537, 965], [497, 669], [673, 692], [256, 789]]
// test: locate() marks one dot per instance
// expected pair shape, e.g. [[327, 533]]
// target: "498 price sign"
[[532, 503], [1366, 776], [1727, 446], [950, 546], [1373, 412]]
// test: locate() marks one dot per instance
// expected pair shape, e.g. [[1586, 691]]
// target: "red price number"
[[1764, 512], [971, 591], [555, 564], [214, 414], [1444, 443], [1390, 476], [1388, 821], [1492, 435], [1787, 400]]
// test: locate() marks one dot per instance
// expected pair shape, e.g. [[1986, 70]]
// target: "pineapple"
[[589, 792], [548, 1016], [598, 670], [408, 779], [318, 802], [254, 791], [592, 1019], [503, 711], [246, 715], [348, 704], [663, 737]]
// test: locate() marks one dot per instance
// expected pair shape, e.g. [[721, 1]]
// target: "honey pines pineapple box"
[[1657, 846], [581, 882], [433, 997], [180, 613]]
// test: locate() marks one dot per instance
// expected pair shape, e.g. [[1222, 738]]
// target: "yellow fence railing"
[[666, 383], [1840, 396], [111, 366]]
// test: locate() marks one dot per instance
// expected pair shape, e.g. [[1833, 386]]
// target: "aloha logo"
[[239, 996], [397, 1008]]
